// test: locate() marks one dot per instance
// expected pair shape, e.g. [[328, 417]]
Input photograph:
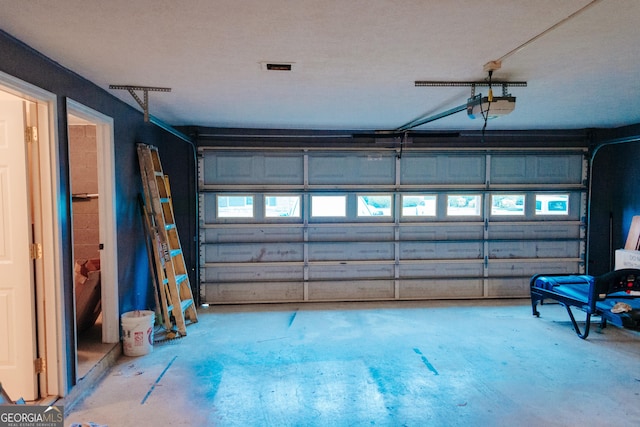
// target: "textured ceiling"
[[354, 62]]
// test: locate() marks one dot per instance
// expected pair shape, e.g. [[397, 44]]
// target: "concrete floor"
[[91, 349], [461, 363]]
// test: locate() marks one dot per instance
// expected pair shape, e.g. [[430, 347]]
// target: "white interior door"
[[17, 298]]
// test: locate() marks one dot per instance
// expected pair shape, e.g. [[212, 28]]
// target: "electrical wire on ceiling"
[[498, 61], [496, 64]]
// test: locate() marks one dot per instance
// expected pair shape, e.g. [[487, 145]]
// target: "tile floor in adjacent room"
[[457, 363]]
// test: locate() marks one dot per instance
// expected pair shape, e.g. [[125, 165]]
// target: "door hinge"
[[40, 365], [35, 251], [31, 134]]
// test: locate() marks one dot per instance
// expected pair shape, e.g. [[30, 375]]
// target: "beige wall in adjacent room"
[[84, 179]]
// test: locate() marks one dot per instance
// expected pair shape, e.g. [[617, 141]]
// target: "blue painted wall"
[[136, 288], [615, 193]]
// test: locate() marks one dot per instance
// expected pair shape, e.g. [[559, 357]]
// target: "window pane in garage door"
[[419, 205], [328, 206], [281, 206]]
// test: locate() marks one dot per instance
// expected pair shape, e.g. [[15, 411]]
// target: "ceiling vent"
[[276, 66]]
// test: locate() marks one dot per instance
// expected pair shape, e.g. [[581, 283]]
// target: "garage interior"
[[359, 238]]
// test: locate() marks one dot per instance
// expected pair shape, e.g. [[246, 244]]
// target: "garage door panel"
[[228, 168], [510, 250], [464, 169], [252, 234], [538, 169], [355, 169], [534, 249], [258, 252], [517, 268], [346, 233], [449, 231], [440, 250], [557, 249], [283, 170], [351, 271], [513, 287], [252, 273], [419, 169], [351, 251], [239, 168], [351, 290], [253, 292], [544, 230], [442, 169], [441, 269], [441, 288], [418, 250], [558, 169]]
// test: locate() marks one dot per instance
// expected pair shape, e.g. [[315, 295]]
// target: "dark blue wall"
[[136, 288], [615, 195]]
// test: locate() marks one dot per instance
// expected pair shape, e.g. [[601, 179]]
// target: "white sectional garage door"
[[284, 225]]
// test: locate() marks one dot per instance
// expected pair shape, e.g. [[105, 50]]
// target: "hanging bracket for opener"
[[145, 93]]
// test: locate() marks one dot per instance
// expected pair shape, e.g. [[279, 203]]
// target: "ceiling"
[[354, 62]]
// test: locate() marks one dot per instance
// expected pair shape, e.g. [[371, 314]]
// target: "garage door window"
[[240, 206], [464, 205], [419, 205], [552, 204], [507, 204], [281, 206], [374, 205], [328, 206]]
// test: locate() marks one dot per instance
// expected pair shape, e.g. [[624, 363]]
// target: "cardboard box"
[[633, 238], [627, 259]]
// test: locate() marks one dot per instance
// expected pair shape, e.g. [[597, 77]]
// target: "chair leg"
[[534, 306], [584, 334]]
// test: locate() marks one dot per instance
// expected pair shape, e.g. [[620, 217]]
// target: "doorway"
[[91, 170]]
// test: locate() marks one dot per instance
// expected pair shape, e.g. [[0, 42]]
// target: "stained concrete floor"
[[460, 363], [91, 348]]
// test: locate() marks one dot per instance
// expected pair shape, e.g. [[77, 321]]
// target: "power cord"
[[485, 114]]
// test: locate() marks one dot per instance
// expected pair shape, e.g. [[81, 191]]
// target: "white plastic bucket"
[[137, 332]]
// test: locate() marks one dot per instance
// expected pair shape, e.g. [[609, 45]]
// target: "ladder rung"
[[179, 279], [158, 173], [165, 200], [169, 226], [175, 252], [184, 304]]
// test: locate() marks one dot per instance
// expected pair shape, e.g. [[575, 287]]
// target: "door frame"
[[107, 225], [49, 283]]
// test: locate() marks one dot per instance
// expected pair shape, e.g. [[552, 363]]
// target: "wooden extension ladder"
[[173, 290]]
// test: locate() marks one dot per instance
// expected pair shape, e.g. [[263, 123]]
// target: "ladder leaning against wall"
[[173, 290]]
